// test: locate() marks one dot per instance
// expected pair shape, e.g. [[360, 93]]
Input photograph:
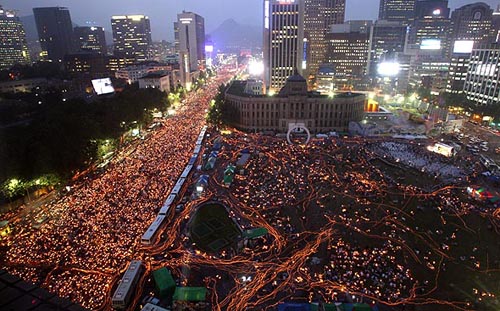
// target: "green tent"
[[190, 294], [229, 170], [228, 179], [229, 174], [255, 233], [332, 307], [361, 307], [164, 282]]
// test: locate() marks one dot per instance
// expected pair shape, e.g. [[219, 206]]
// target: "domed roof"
[[296, 78]]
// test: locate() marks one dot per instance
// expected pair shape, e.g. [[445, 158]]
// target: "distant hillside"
[[29, 27], [231, 34]]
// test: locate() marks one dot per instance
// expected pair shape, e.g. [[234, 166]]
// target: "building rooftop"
[[154, 75], [237, 88], [296, 78]]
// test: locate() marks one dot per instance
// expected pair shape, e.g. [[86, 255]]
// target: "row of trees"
[[61, 137], [458, 100], [220, 113]]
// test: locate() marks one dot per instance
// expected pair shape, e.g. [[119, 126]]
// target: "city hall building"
[[250, 110]]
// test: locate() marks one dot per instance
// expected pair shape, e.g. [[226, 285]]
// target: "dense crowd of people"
[[418, 157], [336, 223], [332, 186], [90, 233]]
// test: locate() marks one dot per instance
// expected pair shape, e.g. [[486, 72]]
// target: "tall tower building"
[[482, 85], [471, 25], [90, 39], [191, 39], [13, 47], [348, 48], [432, 26], [397, 10], [55, 31], [284, 44], [319, 15], [387, 39], [495, 25], [131, 36], [472, 22]]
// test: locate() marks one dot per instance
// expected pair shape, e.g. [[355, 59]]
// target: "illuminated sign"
[[304, 55], [463, 46], [436, 12], [103, 86], [209, 48], [430, 44]]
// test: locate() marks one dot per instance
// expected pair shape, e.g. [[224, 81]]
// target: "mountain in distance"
[[231, 35], [29, 27]]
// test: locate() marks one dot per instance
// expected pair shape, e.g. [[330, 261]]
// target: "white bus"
[[178, 186], [164, 210], [186, 171], [126, 287], [197, 149], [149, 235]]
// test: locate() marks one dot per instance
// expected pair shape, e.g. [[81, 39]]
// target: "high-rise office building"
[[457, 74], [432, 8], [482, 85], [131, 36], [471, 26], [387, 39], [431, 28], [495, 25], [176, 37], [191, 40], [319, 15], [472, 22], [13, 46], [55, 31], [348, 53], [90, 39], [397, 10], [284, 43]]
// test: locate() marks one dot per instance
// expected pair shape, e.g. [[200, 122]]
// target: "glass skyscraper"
[[55, 31]]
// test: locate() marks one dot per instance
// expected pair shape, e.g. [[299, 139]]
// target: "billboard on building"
[[463, 46], [430, 44], [103, 86]]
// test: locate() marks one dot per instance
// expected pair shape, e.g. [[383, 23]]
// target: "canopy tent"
[[255, 233], [165, 284], [190, 294], [229, 174]]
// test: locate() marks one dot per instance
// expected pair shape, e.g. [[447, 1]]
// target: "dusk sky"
[[163, 12]]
